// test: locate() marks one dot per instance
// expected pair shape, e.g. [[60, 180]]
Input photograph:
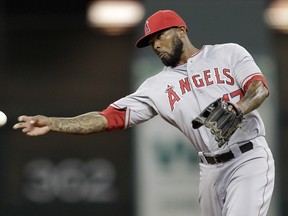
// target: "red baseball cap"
[[161, 20]]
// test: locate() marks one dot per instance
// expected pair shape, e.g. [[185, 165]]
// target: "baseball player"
[[211, 95]]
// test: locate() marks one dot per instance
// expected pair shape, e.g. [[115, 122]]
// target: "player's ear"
[[182, 31]]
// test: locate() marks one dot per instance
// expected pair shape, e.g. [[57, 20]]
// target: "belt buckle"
[[216, 159]]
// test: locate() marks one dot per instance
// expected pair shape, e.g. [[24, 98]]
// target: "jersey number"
[[233, 94]]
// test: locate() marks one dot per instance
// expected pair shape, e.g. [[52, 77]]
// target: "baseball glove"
[[221, 121]]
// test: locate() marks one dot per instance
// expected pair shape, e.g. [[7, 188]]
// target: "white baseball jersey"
[[179, 94]]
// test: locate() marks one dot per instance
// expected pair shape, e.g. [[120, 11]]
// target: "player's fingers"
[[34, 133], [24, 122], [29, 119], [38, 120], [25, 130], [37, 131], [24, 118], [16, 126], [231, 109], [19, 125], [30, 133]]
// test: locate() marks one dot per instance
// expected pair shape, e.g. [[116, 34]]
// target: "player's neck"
[[189, 51]]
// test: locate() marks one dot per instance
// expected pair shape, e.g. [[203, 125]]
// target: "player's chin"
[[166, 62], [169, 61]]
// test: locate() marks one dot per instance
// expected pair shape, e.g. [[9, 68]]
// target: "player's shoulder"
[[223, 46], [151, 83], [159, 76], [229, 50], [153, 78], [166, 74]]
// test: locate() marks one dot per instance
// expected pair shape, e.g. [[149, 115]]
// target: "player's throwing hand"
[[33, 125]]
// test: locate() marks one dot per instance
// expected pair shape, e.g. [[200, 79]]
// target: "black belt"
[[222, 158]]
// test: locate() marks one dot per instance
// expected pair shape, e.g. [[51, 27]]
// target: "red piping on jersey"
[[254, 77], [193, 55], [251, 75], [115, 118], [198, 52]]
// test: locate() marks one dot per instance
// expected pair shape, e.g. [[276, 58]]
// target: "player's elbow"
[[266, 92], [262, 93]]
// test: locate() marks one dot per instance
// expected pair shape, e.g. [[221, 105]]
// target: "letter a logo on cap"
[[147, 28]]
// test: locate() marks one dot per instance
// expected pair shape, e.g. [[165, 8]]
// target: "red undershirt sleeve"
[[115, 118]]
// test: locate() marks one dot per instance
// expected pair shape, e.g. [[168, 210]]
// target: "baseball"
[[3, 119]]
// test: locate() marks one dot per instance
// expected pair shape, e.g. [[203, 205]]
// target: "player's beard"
[[174, 58]]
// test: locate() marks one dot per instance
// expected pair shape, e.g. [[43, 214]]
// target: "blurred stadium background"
[[59, 58]]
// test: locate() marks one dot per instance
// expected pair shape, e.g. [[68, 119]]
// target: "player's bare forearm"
[[254, 97], [87, 123]]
